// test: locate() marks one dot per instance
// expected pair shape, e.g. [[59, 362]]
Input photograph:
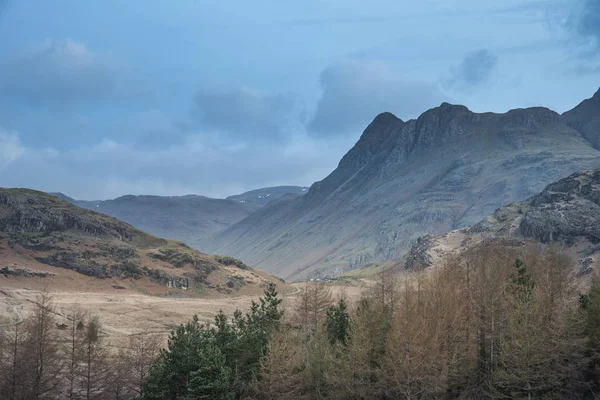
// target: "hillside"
[[42, 236], [264, 196], [190, 219], [185, 218], [449, 168], [565, 213]]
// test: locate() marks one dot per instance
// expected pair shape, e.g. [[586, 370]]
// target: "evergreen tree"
[[338, 323], [216, 362]]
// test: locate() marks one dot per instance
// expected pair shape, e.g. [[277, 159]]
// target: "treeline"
[[496, 322]]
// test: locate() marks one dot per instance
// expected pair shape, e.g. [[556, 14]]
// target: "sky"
[[102, 98]]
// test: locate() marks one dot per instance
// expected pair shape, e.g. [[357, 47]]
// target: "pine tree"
[[338, 323]]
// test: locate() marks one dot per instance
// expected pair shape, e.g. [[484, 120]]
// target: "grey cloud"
[[585, 20], [354, 92], [110, 169], [57, 73], [244, 113], [475, 69]]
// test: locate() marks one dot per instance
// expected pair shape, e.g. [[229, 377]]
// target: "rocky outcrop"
[[566, 212], [27, 211], [16, 271]]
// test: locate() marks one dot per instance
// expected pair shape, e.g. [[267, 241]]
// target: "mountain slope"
[[185, 218], [44, 236], [565, 212], [264, 196], [448, 168]]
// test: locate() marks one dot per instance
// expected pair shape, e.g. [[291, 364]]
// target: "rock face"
[[565, 212], [402, 180], [40, 231]]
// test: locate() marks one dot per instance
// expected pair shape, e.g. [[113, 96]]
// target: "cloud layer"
[[475, 69], [10, 149], [244, 113], [57, 73], [354, 92], [198, 165], [585, 21]]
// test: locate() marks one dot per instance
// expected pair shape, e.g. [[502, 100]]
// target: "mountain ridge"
[[449, 167]]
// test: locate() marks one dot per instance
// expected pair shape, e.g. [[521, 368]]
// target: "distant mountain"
[[449, 168], [185, 218], [46, 237], [266, 195], [565, 212]]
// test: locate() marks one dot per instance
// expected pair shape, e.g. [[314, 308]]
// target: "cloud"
[[585, 21], [244, 113], [56, 73], [354, 92], [10, 148], [199, 165], [475, 69]]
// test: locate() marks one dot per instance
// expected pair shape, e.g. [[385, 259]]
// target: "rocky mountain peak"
[[585, 118]]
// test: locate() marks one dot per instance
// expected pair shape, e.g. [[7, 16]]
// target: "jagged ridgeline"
[[42, 235], [447, 169]]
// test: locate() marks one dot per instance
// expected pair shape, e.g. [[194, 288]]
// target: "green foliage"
[[522, 282], [215, 362], [338, 323]]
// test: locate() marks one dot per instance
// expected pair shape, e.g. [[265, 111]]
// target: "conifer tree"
[[338, 323]]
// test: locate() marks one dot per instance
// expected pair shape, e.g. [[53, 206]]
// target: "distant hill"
[[266, 195], [190, 219], [45, 237], [186, 218], [447, 169]]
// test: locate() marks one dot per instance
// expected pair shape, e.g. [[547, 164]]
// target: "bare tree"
[[74, 351], [12, 366], [142, 350], [314, 301], [281, 376], [94, 360], [45, 362]]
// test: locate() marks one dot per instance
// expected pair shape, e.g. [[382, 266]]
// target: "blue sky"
[[101, 98]]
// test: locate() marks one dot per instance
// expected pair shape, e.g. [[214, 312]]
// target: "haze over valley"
[[313, 200]]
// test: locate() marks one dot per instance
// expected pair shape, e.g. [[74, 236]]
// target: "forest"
[[497, 321]]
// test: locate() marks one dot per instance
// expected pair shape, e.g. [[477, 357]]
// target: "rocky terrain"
[[447, 169], [45, 237], [566, 213], [189, 219]]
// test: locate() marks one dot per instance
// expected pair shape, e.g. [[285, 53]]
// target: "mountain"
[[264, 196], [448, 168], [46, 237], [566, 212], [186, 218]]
